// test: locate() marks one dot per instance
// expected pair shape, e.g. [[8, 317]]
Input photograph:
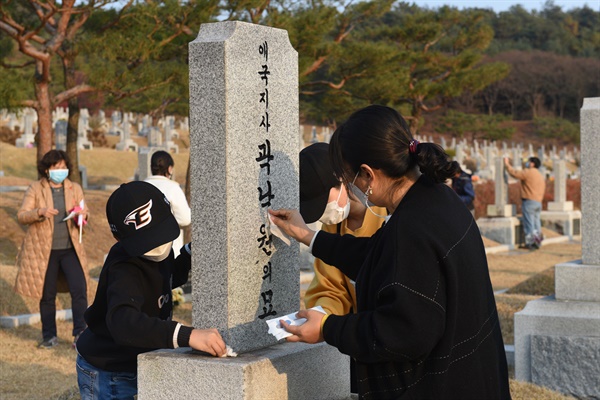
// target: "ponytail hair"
[[435, 163], [379, 137]]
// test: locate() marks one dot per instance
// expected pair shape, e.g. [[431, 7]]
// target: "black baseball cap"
[[316, 180], [140, 217]]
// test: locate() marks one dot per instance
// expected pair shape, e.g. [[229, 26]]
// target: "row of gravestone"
[[479, 156], [161, 135]]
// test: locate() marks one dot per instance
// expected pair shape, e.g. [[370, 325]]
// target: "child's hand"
[[208, 341]]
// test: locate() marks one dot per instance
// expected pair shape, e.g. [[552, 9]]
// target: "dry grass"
[[29, 373], [104, 166], [513, 267]]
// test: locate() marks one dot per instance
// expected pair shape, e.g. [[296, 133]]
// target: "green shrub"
[[557, 128]]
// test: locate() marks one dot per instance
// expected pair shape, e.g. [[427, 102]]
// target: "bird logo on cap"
[[140, 217]]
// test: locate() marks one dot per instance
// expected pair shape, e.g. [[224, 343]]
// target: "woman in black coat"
[[427, 325]]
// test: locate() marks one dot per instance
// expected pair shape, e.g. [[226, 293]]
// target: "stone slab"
[[500, 229], [507, 210], [30, 319], [590, 180], [547, 316], [560, 206], [576, 281], [569, 365], [566, 223], [284, 371]]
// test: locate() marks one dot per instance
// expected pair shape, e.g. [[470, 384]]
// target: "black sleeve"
[[127, 323], [346, 252], [181, 271], [407, 316]]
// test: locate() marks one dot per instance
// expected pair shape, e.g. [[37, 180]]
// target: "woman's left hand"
[[308, 332]]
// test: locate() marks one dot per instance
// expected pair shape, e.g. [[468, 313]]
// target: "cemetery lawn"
[[30, 373]]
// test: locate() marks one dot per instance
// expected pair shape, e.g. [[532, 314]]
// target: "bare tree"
[[41, 41]]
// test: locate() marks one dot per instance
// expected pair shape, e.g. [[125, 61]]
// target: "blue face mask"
[[58, 175]]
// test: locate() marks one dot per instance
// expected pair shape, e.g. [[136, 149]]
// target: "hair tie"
[[412, 146]]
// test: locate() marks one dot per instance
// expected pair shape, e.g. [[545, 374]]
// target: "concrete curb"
[[30, 319]]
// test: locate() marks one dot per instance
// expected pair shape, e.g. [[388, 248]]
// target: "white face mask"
[[334, 214], [364, 198], [159, 253]]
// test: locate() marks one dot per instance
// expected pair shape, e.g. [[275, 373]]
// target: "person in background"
[[132, 311], [426, 325], [324, 198], [161, 166], [463, 186], [533, 187], [51, 256]]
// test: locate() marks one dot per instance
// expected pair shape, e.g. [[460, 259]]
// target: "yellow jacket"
[[330, 288], [33, 257]]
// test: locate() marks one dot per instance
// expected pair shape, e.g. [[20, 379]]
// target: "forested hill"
[[444, 63]]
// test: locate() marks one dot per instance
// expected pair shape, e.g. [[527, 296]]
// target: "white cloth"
[[179, 205]]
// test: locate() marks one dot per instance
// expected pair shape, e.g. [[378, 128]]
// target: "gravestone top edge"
[[222, 31], [591, 103]]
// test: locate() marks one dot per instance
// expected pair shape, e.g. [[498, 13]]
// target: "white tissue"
[[277, 330], [229, 352], [274, 229]]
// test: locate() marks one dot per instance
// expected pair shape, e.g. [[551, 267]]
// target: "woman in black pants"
[[52, 256]]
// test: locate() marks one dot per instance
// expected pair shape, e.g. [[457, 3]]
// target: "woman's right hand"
[[208, 341], [47, 212], [292, 224]]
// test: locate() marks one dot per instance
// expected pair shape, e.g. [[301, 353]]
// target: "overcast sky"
[[504, 5]]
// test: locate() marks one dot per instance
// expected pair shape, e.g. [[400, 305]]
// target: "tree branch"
[[9, 66], [72, 92], [122, 95]]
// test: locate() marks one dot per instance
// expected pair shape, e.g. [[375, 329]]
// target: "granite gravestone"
[[60, 131], [27, 139], [83, 126], [126, 143], [244, 160], [501, 224], [557, 338], [242, 163], [560, 215]]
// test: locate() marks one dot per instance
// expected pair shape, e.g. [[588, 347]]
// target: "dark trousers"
[[67, 262]]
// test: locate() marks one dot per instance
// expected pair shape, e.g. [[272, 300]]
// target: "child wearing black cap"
[[132, 311]]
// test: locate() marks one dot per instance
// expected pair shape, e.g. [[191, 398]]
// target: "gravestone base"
[[83, 175], [576, 281], [560, 206], [172, 147], [84, 144], [500, 229], [565, 222], [283, 371], [557, 345], [508, 210], [25, 140], [127, 145]]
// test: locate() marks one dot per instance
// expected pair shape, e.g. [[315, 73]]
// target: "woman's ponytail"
[[435, 163]]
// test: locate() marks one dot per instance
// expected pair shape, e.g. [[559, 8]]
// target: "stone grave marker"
[[557, 338], [244, 159], [27, 139], [60, 131]]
